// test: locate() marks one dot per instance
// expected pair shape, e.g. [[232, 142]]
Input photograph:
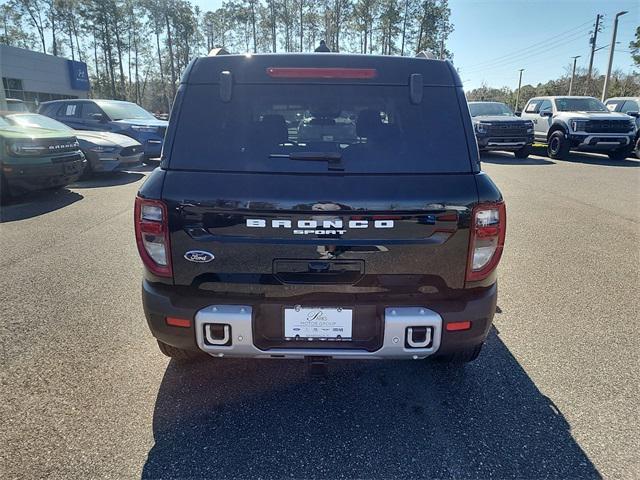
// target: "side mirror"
[[634, 114], [98, 116], [546, 113], [518, 113]]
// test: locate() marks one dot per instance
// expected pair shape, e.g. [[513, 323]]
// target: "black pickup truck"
[[261, 242]]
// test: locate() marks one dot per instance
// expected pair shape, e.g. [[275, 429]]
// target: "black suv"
[[260, 242], [498, 128]]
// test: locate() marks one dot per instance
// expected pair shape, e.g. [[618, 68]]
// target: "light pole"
[[611, 50], [573, 73], [518, 94]]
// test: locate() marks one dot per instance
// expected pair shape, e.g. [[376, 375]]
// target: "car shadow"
[[36, 203], [227, 418], [99, 180], [597, 159], [504, 158]]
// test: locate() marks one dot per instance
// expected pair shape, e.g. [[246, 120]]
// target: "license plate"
[[318, 322]]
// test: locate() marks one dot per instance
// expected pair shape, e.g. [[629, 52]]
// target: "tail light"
[[152, 236], [488, 228]]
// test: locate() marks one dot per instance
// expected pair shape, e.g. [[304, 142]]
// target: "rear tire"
[[558, 146], [523, 152], [179, 354], [638, 147], [462, 356], [621, 154]]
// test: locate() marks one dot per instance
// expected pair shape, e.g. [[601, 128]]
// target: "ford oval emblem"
[[199, 256]]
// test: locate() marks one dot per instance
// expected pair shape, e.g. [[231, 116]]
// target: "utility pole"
[[611, 50], [593, 51], [518, 94], [3, 98], [573, 72]]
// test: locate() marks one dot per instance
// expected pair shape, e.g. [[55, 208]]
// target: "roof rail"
[[428, 54], [218, 51]]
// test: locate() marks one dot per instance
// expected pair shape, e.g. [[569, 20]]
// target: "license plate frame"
[[318, 323]]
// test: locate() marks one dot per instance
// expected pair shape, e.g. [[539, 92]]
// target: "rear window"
[[296, 128], [489, 109], [584, 104]]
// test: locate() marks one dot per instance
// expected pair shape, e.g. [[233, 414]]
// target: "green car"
[[35, 159]]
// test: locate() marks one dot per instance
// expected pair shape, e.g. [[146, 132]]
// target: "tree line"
[[137, 49], [621, 85]]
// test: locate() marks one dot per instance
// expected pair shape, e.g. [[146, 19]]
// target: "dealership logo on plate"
[[199, 256]]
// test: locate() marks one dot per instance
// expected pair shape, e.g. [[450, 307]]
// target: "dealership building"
[[35, 77]]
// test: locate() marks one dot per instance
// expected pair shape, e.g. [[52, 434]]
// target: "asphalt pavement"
[[85, 393]]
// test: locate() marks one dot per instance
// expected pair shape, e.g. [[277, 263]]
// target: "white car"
[[630, 106], [580, 123]]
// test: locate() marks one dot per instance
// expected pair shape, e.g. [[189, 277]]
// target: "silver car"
[[105, 151]]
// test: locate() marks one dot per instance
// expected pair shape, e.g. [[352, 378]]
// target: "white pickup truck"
[[580, 123]]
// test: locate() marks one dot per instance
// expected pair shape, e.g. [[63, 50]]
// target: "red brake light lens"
[[152, 236], [486, 239], [354, 73]]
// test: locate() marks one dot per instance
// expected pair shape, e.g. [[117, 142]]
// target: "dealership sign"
[[79, 75]]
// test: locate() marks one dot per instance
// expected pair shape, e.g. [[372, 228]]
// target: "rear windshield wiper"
[[333, 159]]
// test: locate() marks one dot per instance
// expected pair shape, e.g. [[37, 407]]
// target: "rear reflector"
[[178, 322], [457, 326], [451, 217], [356, 73]]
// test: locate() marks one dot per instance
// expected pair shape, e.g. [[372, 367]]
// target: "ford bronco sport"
[[259, 243], [33, 158], [580, 123]]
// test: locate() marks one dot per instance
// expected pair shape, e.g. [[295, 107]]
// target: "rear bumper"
[[246, 340]]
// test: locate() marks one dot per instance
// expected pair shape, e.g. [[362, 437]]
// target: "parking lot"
[[86, 392]]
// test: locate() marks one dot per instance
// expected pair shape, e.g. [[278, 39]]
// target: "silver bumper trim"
[[397, 321], [506, 144], [615, 139]]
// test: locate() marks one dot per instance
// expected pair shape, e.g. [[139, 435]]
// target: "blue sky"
[[495, 38]]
